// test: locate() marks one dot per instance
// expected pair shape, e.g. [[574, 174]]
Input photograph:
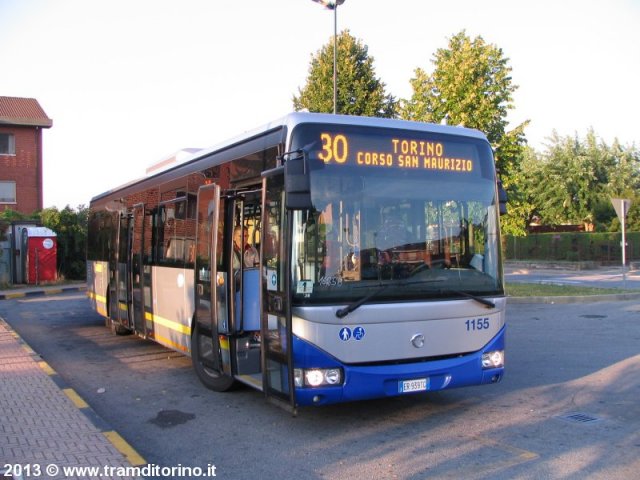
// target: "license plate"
[[417, 385]]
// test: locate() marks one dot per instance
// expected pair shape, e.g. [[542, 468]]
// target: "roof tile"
[[23, 111]]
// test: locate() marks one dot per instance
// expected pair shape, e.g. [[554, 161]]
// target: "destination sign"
[[392, 152]]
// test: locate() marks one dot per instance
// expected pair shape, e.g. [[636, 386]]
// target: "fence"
[[5, 263], [604, 248]]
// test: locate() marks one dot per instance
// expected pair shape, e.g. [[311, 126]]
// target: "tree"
[[471, 86], [7, 216], [522, 203], [71, 228], [580, 177], [359, 91]]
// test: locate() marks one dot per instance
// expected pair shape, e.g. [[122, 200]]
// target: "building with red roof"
[[21, 124]]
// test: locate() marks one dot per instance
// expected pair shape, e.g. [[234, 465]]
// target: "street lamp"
[[333, 5]]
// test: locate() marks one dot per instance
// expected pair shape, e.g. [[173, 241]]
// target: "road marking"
[[46, 368], [75, 398], [124, 448], [9, 296]]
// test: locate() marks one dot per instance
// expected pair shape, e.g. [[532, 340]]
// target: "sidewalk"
[[45, 427]]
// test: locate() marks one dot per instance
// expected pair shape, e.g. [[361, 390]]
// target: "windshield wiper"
[[483, 301], [343, 312]]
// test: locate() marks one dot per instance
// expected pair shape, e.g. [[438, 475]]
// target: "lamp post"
[[333, 5]]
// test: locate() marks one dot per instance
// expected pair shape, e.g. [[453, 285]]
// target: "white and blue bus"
[[319, 259]]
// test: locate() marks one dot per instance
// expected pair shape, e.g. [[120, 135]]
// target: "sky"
[[129, 82]]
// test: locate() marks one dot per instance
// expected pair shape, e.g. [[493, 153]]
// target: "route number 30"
[[334, 147]]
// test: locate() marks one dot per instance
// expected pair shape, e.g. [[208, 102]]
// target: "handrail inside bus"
[[173, 200]]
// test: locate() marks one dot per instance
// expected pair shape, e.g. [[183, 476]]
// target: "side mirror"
[[297, 183]]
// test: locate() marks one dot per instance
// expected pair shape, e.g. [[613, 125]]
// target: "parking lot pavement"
[[45, 427], [44, 424], [559, 274]]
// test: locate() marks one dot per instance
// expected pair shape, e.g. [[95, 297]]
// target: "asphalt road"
[[568, 406], [610, 277]]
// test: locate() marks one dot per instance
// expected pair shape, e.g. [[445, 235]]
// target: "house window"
[[7, 144], [7, 191]]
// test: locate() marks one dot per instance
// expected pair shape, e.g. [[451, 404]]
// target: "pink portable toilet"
[[41, 247]]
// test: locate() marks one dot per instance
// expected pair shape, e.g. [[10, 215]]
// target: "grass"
[[548, 290]]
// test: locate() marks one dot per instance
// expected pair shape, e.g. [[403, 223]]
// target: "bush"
[[70, 227], [580, 246]]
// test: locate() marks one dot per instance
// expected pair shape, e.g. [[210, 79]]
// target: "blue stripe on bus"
[[369, 382]]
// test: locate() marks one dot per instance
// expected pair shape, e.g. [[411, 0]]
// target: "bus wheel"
[[210, 378], [116, 328]]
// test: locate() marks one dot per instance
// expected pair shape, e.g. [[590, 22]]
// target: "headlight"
[[317, 377], [493, 359], [313, 378]]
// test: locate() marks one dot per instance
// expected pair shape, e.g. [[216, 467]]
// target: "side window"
[[175, 229], [272, 234], [98, 243], [7, 144], [157, 239], [7, 192], [247, 232], [174, 241]]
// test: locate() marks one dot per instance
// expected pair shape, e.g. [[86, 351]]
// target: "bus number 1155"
[[477, 324]]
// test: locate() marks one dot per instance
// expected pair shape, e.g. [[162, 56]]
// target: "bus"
[[318, 259]]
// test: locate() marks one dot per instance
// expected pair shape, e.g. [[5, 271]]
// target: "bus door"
[[120, 306], [277, 343], [209, 343], [112, 293], [246, 285], [135, 264]]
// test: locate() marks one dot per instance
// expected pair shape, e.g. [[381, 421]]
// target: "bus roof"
[[293, 119], [296, 118]]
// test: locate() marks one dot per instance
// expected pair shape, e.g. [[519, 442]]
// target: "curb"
[[8, 295], [615, 297], [113, 437]]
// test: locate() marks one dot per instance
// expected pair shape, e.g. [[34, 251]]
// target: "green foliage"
[[471, 85], [7, 216], [600, 247], [572, 182], [359, 91], [70, 227], [521, 207]]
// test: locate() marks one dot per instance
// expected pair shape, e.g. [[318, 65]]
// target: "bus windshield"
[[397, 215]]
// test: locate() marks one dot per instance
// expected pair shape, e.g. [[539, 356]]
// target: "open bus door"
[[277, 342], [119, 310], [209, 344], [135, 268], [112, 292]]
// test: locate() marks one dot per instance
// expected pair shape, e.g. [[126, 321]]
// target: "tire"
[[116, 328], [210, 378]]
